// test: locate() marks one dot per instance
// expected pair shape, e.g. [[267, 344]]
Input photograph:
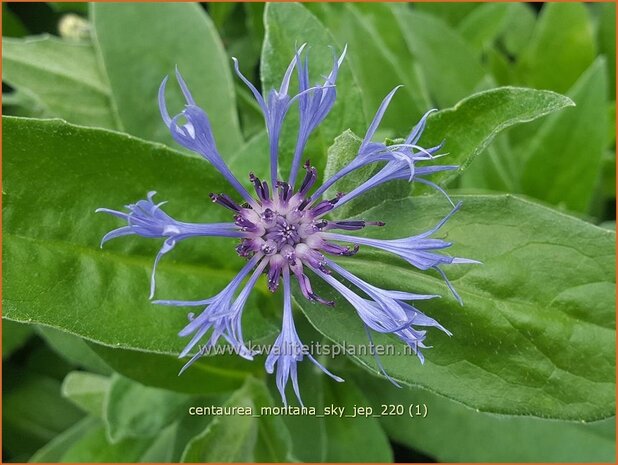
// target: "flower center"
[[284, 227]]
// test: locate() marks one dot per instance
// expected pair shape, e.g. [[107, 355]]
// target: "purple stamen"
[[310, 178], [225, 201]]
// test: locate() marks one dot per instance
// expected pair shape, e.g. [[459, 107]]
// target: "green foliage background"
[[527, 109]]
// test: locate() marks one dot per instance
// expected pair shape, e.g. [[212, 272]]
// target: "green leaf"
[[359, 439], [53, 451], [12, 26], [470, 126], [93, 447], [136, 69], [608, 179], [451, 14], [440, 52], [452, 432], [242, 437], [252, 157], [220, 13], [481, 27], [519, 28], [63, 7], [607, 41], [382, 20], [58, 234], [497, 169], [251, 118], [34, 413], [328, 438], [561, 48], [162, 447], [129, 413], [289, 25], [62, 76], [344, 149], [190, 426], [611, 124], [574, 138], [227, 439], [255, 20], [87, 391], [14, 336], [501, 68], [73, 349], [536, 334], [467, 128], [376, 67]]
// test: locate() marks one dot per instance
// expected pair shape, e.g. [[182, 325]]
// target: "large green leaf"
[[536, 335], [481, 27], [94, 447], [496, 169], [452, 432], [128, 409], [562, 164], [288, 25], [252, 157], [184, 36], [470, 126], [63, 77], [519, 28], [561, 48], [442, 53], [377, 68], [102, 295], [607, 41], [86, 390], [452, 14], [467, 129]]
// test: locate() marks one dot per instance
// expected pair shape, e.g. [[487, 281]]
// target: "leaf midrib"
[[141, 260]]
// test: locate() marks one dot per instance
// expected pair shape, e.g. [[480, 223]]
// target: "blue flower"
[[283, 232]]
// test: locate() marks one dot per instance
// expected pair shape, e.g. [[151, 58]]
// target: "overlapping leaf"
[[135, 72], [536, 335], [62, 76], [78, 287]]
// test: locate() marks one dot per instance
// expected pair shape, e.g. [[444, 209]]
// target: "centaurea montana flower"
[[284, 232]]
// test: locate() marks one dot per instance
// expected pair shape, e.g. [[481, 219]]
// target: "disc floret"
[[285, 228]]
